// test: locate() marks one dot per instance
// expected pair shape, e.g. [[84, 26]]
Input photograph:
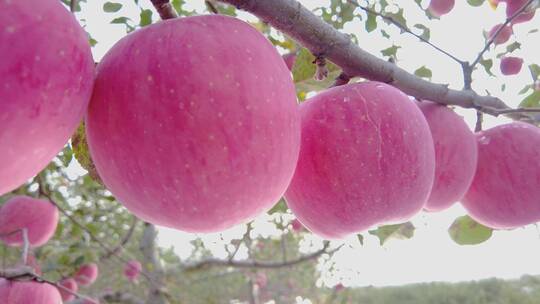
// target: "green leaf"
[[120, 20], [146, 17], [391, 51], [423, 72], [525, 89], [513, 46], [360, 238], [398, 231], [112, 7], [371, 22], [535, 71], [531, 101], [280, 207], [398, 17], [475, 2], [304, 69], [426, 34], [487, 64], [385, 34], [466, 231]]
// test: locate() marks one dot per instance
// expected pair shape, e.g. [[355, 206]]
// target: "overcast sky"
[[430, 255]]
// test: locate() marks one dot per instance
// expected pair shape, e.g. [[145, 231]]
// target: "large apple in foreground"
[[46, 78], [366, 158], [455, 155], [505, 192], [194, 123], [39, 217], [28, 292]]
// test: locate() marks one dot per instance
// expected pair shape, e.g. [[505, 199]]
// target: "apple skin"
[[87, 274], [39, 217], [366, 158], [28, 292], [455, 155], [70, 284], [132, 270], [289, 60], [511, 65], [44, 89], [505, 191], [503, 36], [440, 7], [296, 225], [512, 6], [187, 135]]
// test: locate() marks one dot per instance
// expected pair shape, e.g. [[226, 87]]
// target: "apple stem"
[[165, 9]]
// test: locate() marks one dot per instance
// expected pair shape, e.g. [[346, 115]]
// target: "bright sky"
[[430, 255]]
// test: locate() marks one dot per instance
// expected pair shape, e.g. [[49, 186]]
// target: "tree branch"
[[290, 17], [152, 265], [492, 39], [405, 29], [260, 264], [165, 9], [72, 5]]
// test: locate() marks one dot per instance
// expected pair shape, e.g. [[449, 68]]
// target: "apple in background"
[[339, 287], [87, 274], [261, 280], [511, 65], [289, 60], [188, 135], [455, 155], [503, 36], [513, 6], [28, 292], [505, 191], [132, 270], [70, 284], [366, 158], [440, 7], [39, 217], [45, 88]]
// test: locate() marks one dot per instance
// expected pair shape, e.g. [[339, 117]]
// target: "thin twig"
[[211, 6], [405, 29], [261, 264], [479, 121], [492, 38], [26, 245], [518, 110], [123, 242], [45, 193]]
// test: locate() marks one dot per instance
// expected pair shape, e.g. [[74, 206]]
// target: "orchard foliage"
[[193, 123]]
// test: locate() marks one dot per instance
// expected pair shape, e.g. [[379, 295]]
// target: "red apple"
[[513, 6], [189, 136], [339, 287], [132, 270], [503, 36], [4, 290], [87, 274], [440, 7], [28, 292], [261, 280], [70, 284], [289, 60], [511, 65], [46, 78], [366, 158], [455, 155], [506, 187], [39, 217]]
